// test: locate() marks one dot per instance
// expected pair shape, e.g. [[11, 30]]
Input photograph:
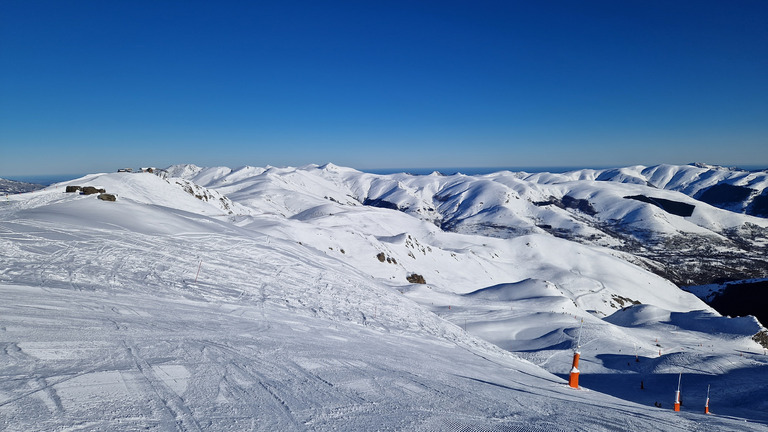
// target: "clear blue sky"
[[91, 86]]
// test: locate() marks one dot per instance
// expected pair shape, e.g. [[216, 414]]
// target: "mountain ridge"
[[588, 206], [14, 187], [298, 306]]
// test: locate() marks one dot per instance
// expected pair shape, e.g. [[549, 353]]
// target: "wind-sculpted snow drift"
[[274, 299]]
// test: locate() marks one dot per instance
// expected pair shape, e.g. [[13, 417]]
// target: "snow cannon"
[[573, 380], [677, 394], [706, 404]]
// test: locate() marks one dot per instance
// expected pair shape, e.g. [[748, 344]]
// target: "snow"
[[13, 187], [293, 323]]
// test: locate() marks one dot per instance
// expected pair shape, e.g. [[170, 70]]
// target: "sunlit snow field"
[[263, 305]]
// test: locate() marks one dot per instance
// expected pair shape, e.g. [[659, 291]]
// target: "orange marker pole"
[[198, 270], [677, 393]]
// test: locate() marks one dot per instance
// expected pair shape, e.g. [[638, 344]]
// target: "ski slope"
[[264, 306]]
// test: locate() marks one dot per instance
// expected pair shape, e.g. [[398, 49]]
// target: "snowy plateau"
[[325, 298]]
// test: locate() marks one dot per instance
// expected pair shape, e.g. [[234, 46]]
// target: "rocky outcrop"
[[107, 197], [90, 190], [416, 278]]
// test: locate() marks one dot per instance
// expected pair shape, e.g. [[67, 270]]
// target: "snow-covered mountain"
[[727, 188], [14, 187], [321, 297], [643, 211]]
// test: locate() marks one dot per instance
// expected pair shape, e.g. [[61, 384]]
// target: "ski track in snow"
[[234, 374], [106, 328]]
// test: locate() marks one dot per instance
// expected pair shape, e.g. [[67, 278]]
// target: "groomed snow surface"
[[273, 311]]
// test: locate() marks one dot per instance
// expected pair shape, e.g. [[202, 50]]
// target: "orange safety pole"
[[677, 394], [198, 270]]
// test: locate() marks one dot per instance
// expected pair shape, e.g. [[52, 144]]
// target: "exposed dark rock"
[[416, 278], [669, 206], [761, 337], [382, 258], [622, 300], [570, 202], [581, 205], [551, 201], [90, 190], [71, 189], [107, 197]]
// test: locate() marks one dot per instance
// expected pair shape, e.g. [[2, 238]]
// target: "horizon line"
[[471, 170]]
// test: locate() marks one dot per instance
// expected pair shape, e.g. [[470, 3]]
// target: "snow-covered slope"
[[291, 308], [728, 188], [679, 237]]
